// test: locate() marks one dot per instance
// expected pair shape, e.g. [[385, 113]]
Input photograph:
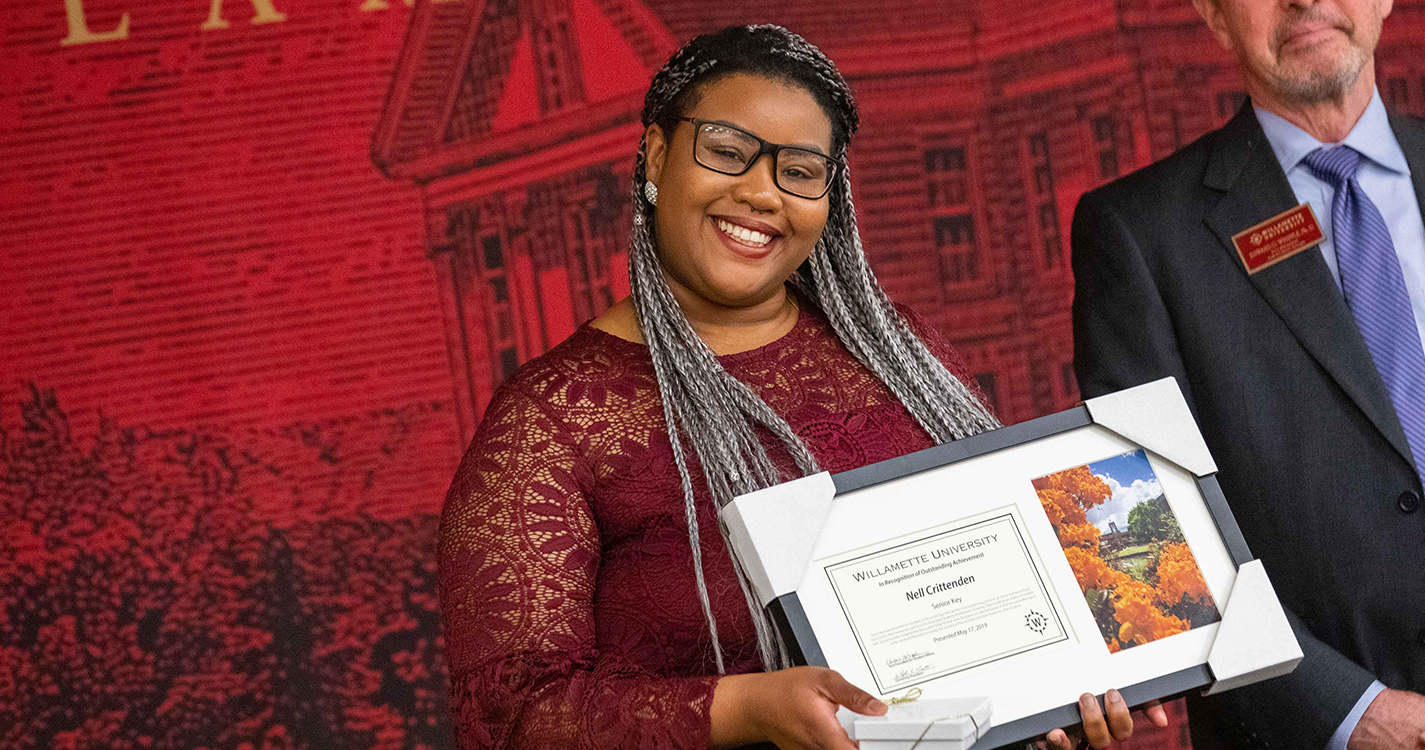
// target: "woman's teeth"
[[743, 234]]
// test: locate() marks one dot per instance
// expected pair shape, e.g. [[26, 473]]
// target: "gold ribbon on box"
[[911, 696]]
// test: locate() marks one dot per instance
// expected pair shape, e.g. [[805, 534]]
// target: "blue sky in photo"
[[1132, 481]]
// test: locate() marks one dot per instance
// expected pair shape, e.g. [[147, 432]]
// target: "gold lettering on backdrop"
[[262, 11], [79, 32], [371, 5]]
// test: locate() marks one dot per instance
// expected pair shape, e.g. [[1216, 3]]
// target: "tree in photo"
[[1153, 521]]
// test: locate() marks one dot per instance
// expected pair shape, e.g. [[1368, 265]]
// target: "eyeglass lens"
[[798, 171]]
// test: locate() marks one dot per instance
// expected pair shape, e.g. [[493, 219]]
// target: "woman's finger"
[[1095, 728], [1120, 721], [1059, 740], [1156, 713], [850, 696]]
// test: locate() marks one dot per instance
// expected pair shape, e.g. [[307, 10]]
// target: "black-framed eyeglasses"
[[730, 150]]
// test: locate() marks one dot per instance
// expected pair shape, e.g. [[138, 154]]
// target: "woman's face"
[[713, 228]]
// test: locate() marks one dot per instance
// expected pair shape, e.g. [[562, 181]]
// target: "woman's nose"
[[758, 188]]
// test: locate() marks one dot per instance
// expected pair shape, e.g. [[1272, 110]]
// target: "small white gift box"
[[924, 724]]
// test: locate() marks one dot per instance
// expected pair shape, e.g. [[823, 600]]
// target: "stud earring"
[[650, 191]]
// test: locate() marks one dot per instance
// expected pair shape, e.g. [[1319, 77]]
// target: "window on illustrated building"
[[945, 176], [500, 314], [586, 251], [952, 214], [1039, 159], [1043, 203], [955, 241], [560, 82], [1049, 233]]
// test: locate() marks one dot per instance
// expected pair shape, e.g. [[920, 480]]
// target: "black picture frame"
[[800, 638]]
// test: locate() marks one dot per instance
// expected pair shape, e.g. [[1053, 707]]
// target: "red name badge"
[[1278, 238]]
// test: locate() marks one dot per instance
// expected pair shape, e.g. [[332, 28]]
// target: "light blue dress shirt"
[[1385, 178]]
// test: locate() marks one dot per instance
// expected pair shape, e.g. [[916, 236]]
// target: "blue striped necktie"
[[1375, 290]]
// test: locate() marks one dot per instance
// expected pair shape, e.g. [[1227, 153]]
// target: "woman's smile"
[[746, 238]]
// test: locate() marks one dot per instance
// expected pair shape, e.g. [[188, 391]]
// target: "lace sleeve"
[[519, 553]]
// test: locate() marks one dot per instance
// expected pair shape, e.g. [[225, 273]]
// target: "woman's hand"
[[1098, 730], [794, 708]]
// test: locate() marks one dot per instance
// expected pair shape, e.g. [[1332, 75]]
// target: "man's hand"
[[1395, 720]]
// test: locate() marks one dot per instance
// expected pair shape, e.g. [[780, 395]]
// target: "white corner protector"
[[1254, 640], [774, 530], [1155, 416]]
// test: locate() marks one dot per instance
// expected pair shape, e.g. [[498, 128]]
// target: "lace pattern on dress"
[[566, 584]]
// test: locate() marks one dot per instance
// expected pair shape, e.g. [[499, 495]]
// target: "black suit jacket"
[[1311, 455]]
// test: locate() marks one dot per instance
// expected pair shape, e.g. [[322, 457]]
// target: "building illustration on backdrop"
[[983, 123]]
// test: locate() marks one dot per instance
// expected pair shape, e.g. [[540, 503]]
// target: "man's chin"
[[1318, 76]]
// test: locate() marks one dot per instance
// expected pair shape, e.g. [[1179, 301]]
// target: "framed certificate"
[[1087, 550]]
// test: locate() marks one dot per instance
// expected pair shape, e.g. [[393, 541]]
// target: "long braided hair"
[[715, 413]]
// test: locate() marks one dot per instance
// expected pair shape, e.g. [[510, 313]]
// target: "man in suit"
[[1307, 375]]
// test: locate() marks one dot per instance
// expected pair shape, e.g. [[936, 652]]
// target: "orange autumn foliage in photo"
[[1068, 495], [1078, 534], [1092, 571], [1141, 619], [1178, 576], [1129, 611]]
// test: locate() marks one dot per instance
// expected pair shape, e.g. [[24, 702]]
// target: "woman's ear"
[[655, 151]]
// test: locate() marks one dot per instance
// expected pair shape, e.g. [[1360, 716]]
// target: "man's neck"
[[1328, 121]]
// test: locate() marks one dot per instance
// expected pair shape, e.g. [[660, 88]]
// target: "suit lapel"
[[1300, 288]]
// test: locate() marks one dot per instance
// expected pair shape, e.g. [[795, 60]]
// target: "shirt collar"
[[1371, 136]]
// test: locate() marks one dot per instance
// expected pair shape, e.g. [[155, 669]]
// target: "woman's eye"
[[728, 153], [797, 173]]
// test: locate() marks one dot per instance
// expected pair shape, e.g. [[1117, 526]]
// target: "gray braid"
[[715, 413]]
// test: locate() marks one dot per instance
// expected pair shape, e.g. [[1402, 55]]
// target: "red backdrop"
[[264, 262]]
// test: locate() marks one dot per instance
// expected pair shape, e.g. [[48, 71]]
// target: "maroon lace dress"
[[566, 581]]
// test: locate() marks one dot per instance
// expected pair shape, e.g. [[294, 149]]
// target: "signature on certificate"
[[896, 661], [912, 673]]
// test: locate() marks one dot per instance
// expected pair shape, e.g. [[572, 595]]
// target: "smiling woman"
[[588, 596], [729, 232]]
